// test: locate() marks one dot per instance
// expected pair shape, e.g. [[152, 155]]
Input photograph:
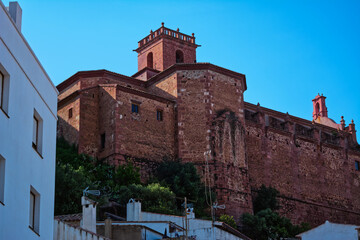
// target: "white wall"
[[30, 88], [331, 231], [202, 229], [63, 231]]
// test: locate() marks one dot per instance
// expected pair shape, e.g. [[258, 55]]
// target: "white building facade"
[[28, 118]]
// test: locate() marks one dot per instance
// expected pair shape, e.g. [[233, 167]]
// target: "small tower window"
[[150, 60], [102, 140], [70, 113], [357, 165], [159, 115], [135, 108], [317, 108], [179, 56]]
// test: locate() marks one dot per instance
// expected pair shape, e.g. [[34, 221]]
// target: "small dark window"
[[1, 89], [35, 133], [357, 165], [179, 56], [70, 113], [150, 60], [135, 108], [159, 115], [102, 140], [34, 214]]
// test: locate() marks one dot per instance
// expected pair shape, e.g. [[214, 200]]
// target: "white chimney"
[[16, 13], [133, 210], [88, 221]]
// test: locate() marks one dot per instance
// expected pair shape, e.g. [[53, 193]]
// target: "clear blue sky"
[[288, 50]]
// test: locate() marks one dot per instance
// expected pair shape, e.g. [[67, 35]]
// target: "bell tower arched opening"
[[179, 56], [150, 61]]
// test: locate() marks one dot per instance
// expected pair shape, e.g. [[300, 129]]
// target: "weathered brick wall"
[[89, 122], [156, 49], [170, 47], [69, 127], [164, 53], [317, 180], [142, 135], [69, 90], [208, 119], [166, 87]]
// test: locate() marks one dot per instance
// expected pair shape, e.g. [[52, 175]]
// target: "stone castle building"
[[176, 108]]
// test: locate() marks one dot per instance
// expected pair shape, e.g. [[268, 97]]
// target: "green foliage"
[[184, 181], [266, 223], [127, 174], [266, 198], [154, 197], [228, 220], [75, 172]]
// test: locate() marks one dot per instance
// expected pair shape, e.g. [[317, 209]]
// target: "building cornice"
[[98, 73], [196, 66]]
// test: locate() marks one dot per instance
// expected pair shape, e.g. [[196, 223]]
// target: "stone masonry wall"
[[164, 54], [204, 123], [68, 127], [156, 49], [89, 122], [170, 47], [317, 181], [142, 135], [167, 87]]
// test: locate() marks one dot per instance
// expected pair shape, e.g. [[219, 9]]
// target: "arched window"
[[317, 108], [150, 60], [179, 56]]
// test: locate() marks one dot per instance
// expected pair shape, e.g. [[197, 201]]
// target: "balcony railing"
[[168, 32]]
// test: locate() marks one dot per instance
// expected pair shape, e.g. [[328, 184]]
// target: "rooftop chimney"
[[15, 13], [133, 210], [88, 221]]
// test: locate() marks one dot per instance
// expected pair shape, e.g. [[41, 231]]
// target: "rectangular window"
[[34, 214], [102, 140], [159, 115], [37, 132], [4, 91], [135, 108], [70, 113], [1, 89], [2, 180], [357, 165]]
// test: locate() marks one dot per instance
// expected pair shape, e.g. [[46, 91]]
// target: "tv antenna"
[[217, 206], [86, 192]]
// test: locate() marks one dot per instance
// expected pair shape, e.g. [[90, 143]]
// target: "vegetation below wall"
[[163, 193], [267, 224]]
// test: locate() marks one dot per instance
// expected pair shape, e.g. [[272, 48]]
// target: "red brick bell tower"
[[320, 109], [165, 47]]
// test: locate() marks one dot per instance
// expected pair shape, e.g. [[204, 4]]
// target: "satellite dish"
[[86, 192]]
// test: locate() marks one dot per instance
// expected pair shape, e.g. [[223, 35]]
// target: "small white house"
[[176, 226], [331, 231], [28, 118]]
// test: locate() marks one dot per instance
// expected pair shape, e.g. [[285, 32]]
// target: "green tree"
[[75, 172], [154, 197], [184, 181], [266, 223], [266, 198], [228, 220]]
